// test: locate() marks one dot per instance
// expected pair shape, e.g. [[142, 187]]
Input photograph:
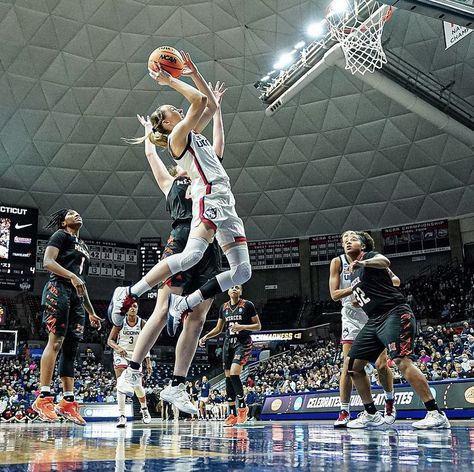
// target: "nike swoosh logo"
[[17, 226]]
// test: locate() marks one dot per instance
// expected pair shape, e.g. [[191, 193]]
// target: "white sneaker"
[[342, 420], [120, 303], [364, 420], [122, 421], [146, 417], [177, 308], [127, 382], [178, 397], [390, 413], [433, 420]]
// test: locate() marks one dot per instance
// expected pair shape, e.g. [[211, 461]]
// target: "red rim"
[[386, 18]]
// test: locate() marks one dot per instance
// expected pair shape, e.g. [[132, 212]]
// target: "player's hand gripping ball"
[[168, 58]]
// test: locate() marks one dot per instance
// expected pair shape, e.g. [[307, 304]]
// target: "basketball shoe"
[[45, 409], [178, 397], [343, 419], [128, 381], [146, 417], [177, 309], [366, 420], [231, 420], [122, 421], [242, 415], [433, 420], [390, 413], [122, 300], [70, 411]]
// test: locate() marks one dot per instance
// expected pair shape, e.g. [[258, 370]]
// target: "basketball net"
[[358, 26]]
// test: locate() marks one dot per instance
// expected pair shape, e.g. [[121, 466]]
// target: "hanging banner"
[[421, 238], [324, 248]]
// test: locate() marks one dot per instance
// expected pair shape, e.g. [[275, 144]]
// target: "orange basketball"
[[168, 58]]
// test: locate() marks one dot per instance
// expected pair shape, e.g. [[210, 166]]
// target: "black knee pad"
[[68, 356], [229, 388]]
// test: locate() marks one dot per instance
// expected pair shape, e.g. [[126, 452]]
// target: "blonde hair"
[[158, 136]]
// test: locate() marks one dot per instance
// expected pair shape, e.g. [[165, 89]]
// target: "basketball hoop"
[[358, 26]]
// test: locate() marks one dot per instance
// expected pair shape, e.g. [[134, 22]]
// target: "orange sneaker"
[[242, 415], [231, 420], [45, 409], [70, 411]]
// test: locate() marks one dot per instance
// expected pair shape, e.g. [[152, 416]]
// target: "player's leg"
[[145, 341], [141, 395], [185, 351], [241, 356], [197, 243], [365, 348], [232, 240], [68, 406], [345, 389], [119, 366], [386, 380], [398, 333]]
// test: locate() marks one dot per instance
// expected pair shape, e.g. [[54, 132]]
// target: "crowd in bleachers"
[[442, 353]]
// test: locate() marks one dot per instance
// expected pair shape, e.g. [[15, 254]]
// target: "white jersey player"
[[213, 202], [122, 340], [353, 320]]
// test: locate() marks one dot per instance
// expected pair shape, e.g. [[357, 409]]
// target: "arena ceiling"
[[73, 77]]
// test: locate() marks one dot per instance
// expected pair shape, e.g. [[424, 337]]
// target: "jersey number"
[[360, 296], [130, 341], [81, 267]]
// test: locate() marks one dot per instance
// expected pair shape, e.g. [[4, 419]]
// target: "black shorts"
[[207, 268], [235, 352], [395, 331], [63, 310]]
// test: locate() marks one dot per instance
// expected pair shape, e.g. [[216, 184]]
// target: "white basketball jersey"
[[202, 165], [128, 335], [345, 279]]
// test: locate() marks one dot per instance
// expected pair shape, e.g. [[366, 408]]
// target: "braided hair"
[[56, 219]]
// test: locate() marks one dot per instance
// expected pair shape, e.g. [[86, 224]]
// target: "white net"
[[358, 27]]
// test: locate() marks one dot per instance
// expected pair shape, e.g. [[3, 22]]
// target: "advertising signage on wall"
[[108, 258], [18, 228], [324, 247], [410, 240], [451, 395]]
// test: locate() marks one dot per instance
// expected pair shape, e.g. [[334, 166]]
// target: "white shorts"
[[204, 399], [353, 320], [217, 210]]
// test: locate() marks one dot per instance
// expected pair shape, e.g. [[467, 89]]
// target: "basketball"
[[169, 59]]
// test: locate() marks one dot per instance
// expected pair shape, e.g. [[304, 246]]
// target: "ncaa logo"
[[210, 213]]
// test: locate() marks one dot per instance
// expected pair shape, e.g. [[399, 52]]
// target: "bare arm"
[[112, 341], [178, 138], [191, 70], [218, 138], [395, 280], [334, 280], [377, 262], [160, 172], [95, 321], [213, 333], [50, 264], [255, 326]]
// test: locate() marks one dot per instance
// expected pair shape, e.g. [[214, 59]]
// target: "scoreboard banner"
[[277, 254], [456, 397], [108, 258], [324, 248], [18, 228], [410, 240]]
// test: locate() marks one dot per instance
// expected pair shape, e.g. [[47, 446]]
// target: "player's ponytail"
[[158, 135]]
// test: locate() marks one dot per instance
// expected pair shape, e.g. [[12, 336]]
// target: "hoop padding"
[[359, 32]]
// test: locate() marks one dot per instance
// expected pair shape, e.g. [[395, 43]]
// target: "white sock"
[[140, 288], [345, 406], [45, 390], [68, 394], [389, 395], [121, 403], [194, 299]]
